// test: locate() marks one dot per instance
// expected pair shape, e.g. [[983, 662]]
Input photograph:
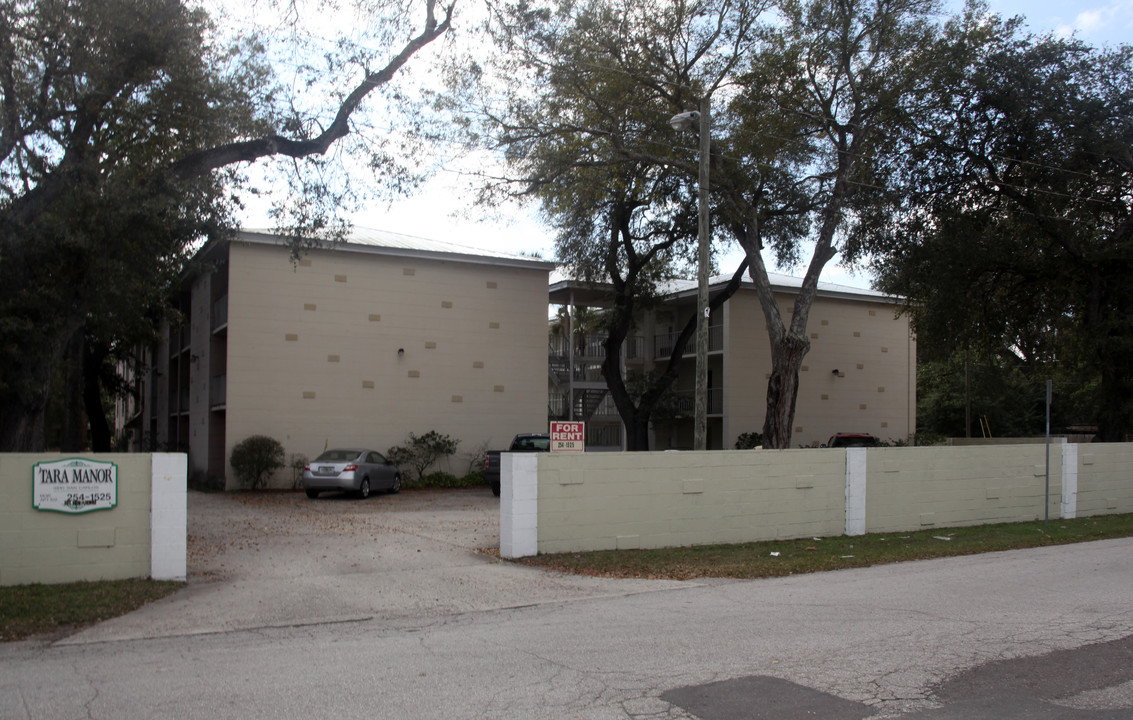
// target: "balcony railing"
[[635, 347], [604, 436], [591, 346], [557, 407], [663, 343], [685, 401]]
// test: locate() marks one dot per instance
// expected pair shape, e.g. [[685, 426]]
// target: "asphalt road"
[[1038, 633]]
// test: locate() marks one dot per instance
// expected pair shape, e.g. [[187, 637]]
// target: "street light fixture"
[[700, 120]]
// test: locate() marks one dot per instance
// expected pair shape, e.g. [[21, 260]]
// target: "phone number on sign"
[[86, 498]]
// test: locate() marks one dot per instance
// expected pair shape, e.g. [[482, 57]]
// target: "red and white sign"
[[568, 436]]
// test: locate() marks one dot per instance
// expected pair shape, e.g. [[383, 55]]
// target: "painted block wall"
[[144, 535], [605, 501], [1105, 479], [51, 547], [922, 487], [598, 501]]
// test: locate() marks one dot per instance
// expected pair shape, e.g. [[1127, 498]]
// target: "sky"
[[442, 210]]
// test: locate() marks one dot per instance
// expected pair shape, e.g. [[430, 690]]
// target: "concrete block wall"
[[922, 487], [603, 501], [598, 501], [1105, 479], [144, 535]]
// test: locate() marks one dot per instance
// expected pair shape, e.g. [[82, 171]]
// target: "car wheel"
[[312, 494], [396, 488], [496, 489], [364, 488]]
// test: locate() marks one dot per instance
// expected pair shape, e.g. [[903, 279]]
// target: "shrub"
[[255, 458], [749, 440], [441, 479], [420, 452], [476, 458], [297, 461]]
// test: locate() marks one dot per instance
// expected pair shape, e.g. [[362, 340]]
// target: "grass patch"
[[790, 557], [29, 610]]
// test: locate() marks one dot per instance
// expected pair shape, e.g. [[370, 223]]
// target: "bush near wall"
[[448, 480], [254, 459]]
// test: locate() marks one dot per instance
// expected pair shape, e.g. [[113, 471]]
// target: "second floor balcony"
[[685, 401], [663, 342]]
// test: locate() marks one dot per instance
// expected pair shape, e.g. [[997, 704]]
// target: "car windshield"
[[337, 456], [853, 441], [534, 443]]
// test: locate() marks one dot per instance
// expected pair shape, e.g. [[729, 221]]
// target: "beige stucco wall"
[[50, 547], [313, 350], [604, 501], [909, 488], [875, 391]]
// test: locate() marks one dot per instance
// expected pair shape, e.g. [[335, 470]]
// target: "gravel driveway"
[[280, 559]]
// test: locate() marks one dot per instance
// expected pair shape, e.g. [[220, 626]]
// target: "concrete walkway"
[[281, 559]]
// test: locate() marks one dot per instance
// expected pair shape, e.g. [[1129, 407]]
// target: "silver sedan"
[[353, 470]]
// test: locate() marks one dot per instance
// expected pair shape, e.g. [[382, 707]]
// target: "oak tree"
[[124, 129]]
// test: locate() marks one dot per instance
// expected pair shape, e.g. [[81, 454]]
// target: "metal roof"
[[563, 287], [382, 242]]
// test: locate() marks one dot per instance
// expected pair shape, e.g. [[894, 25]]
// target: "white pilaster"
[[1069, 480], [519, 505], [855, 491], [168, 516]]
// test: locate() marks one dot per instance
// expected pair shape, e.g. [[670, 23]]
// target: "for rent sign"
[[568, 436], [74, 486]]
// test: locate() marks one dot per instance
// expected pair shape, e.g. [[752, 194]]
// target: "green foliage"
[[1020, 243], [420, 452], [1005, 395], [99, 96], [255, 458], [296, 462], [924, 439], [749, 440], [476, 459], [124, 125], [441, 479], [802, 148]]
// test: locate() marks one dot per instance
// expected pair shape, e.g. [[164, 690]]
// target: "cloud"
[[1104, 22]]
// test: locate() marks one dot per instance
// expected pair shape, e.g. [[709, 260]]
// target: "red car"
[[852, 440]]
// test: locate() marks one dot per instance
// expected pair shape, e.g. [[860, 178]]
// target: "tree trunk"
[[783, 390], [100, 433], [71, 432]]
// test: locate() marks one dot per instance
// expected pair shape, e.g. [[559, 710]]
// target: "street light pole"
[[684, 121]]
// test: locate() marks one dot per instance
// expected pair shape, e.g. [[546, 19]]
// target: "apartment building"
[[361, 343], [859, 376], [357, 344]]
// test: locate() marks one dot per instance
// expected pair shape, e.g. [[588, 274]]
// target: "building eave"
[[406, 248], [561, 290]]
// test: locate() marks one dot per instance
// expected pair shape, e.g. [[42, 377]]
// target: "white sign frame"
[[568, 436], [74, 486]]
